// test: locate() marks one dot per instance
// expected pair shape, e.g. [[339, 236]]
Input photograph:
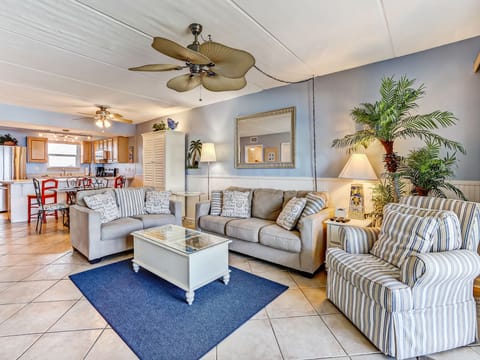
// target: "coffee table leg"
[[189, 296], [226, 278], [135, 267]]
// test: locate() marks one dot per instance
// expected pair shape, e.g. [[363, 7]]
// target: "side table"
[[333, 227], [189, 199]]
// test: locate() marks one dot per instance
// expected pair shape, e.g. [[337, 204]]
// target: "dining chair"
[[44, 208], [49, 192], [119, 182]]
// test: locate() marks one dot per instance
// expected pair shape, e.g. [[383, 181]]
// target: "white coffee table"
[[186, 258]]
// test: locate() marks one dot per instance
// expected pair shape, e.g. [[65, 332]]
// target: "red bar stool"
[[32, 204], [119, 182]]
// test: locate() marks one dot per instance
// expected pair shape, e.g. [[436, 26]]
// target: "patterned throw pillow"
[[157, 202], [236, 204], [291, 213], [315, 203], [105, 204], [403, 235], [216, 202], [131, 201], [448, 235]]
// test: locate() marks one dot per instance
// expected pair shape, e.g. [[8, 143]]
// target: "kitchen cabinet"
[[37, 149], [120, 149], [86, 152], [164, 160]]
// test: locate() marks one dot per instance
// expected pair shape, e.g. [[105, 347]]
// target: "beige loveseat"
[[95, 240], [259, 236]]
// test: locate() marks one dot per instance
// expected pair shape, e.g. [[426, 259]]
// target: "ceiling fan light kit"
[[213, 65], [103, 118]]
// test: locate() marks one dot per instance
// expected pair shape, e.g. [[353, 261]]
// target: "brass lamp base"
[[356, 209]]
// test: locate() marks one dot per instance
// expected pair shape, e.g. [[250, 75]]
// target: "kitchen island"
[[18, 190]]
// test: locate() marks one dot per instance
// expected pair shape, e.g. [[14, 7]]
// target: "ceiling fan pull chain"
[[200, 98]]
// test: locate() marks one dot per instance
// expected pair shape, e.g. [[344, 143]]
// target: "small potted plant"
[[8, 139], [428, 172], [159, 126]]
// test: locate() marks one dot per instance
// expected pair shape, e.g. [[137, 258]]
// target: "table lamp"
[[357, 168], [208, 156]]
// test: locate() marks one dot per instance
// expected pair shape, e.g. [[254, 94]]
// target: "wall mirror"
[[266, 140]]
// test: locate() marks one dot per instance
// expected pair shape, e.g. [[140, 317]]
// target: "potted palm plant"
[[428, 172], [8, 139]]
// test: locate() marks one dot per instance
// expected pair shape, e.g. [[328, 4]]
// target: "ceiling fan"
[[103, 118], [215, 66]]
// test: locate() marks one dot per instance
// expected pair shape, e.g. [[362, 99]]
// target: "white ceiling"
[[66, 56]]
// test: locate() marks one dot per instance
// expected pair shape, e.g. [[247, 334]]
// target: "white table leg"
[[189, 296], [226, 278], [135, 267]]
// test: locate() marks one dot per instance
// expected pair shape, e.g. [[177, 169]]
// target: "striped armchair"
[[411, 298]]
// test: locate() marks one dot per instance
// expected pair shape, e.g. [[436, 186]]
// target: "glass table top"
[[179, 238]]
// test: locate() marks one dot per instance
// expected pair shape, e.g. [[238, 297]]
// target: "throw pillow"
[[216, 202], [291, 213], [105, 204], [236, 204], [131, 201], [403, 235], [315, 203], [157, 202], [448, 235]]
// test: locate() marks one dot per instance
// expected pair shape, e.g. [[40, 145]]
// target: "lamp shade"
[[208, 153], [358, 168]]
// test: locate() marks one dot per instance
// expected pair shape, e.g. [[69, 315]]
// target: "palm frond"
[[362, 138], [455, 190], [431, 137]]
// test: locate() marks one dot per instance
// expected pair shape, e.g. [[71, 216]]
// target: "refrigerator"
[[13, 166]]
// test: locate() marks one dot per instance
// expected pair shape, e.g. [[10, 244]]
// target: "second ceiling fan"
[[215, 66], [103, 117]]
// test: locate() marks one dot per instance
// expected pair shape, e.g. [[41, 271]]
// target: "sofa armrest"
[[313, 234], [442, 277], [176, 209], [202, 208], [85, 229], [357, 240]]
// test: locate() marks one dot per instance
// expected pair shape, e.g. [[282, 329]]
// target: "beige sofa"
[[95, 240], [259, 236]]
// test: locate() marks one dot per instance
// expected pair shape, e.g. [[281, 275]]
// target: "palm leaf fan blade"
[[229, 62], [179, 52], [157, 67], [184, 82], [221, 83]]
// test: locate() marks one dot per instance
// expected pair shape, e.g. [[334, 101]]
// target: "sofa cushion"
[[377, 279], [151, 220], [157, 202], [277, 237], [214, 224], [267, 203], [403, 235], [291, 213], [246, 229], [216, 202], [236, 204], [105, 204], [120, 228], [131, 201], [447, 236]]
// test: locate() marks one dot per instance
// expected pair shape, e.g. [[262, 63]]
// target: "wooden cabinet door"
[[86, 152], [37, 149], [120, 149]]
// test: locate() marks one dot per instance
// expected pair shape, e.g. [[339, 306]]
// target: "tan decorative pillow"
[[291, 213]]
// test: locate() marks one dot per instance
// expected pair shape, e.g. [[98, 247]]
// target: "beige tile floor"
[[44, 316]]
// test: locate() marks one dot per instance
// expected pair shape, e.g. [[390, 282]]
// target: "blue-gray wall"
[[447, 73]]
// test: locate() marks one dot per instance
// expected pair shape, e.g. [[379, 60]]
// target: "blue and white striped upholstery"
[[357, 240], [448, 235], [423, 307], [468, 214]]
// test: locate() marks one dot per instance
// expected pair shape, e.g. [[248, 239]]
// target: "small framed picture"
[[271, 154], [253, 139]]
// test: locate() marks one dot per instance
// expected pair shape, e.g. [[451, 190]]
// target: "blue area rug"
[[153, 318]]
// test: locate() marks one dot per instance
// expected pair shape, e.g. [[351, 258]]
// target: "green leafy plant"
[[194, 152], [388, 190], [390, 118], [159, 126], [8, 139], [428, 172]]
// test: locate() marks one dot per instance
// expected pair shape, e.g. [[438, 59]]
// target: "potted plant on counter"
[[8, 140]]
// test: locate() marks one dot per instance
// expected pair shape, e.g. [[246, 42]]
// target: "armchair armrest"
[[175, 207], [358, 240], [201, 208], [313, 236], [439, 278]]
